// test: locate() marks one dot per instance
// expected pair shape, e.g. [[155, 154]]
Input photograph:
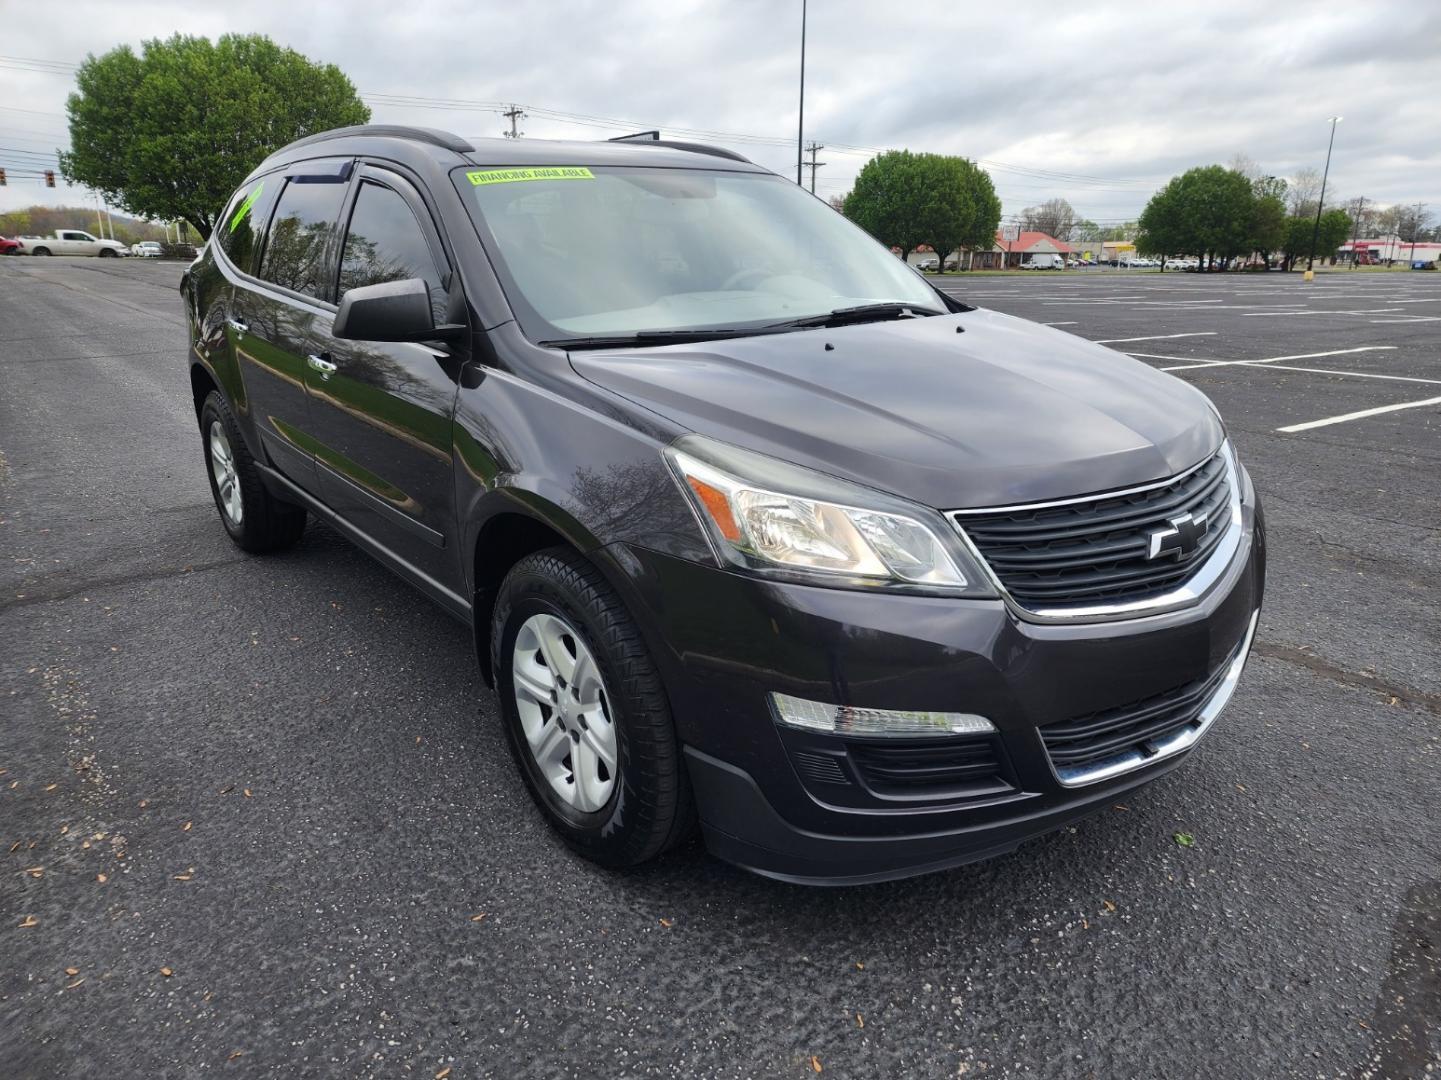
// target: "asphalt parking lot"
[[259, 820]]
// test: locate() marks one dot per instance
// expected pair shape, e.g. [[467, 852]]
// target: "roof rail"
[[433, 136], [652, 138]]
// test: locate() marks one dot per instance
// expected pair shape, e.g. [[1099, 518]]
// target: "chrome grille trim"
[[1170, 745], [1184, 595]]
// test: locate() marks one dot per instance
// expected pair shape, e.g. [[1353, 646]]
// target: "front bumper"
[[767, 797]]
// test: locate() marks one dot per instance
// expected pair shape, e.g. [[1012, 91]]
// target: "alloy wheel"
[[227, 481]]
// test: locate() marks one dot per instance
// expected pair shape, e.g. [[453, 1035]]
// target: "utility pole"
[[515, 113], [1356, 228], [813, 164], [1321, 199]]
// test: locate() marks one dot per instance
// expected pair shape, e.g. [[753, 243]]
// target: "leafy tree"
[[1205, 211], [172, 132], [905, 200], [1054, 217], [1268, 225], [1334, 231]]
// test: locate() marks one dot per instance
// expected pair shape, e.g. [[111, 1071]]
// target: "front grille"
[[1095, 551], [960, 768], [1085, 740]]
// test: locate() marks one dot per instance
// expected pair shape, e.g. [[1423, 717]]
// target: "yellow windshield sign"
[[513, 176]]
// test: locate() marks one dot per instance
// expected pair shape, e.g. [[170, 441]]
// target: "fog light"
[[851, 720]]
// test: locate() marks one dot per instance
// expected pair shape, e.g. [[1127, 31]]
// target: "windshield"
[[620, 251]]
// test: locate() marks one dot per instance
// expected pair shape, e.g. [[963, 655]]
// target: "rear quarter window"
[[240, 227]]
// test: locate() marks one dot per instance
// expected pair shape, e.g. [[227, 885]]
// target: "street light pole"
[[801, 123], [1321, 200]]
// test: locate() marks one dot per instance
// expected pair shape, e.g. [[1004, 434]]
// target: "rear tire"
[[256, 520], [646, 806], [41, 251]]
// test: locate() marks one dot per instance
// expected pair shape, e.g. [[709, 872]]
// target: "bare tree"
[[838, 202], [1054, 217], [1413, 222], [1246, 166], [1363, 213], [1302, 191], [1388, 220]]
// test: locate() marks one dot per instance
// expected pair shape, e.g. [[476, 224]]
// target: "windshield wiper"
[[859, 313], [657, 337]]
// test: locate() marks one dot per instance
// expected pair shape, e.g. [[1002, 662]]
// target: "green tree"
[[905, 200], [1205, 211], [172, 132], [1334, 231], [1268, 225]]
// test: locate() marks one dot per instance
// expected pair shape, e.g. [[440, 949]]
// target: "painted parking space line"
[[1070, 323], [1318, 311], [1346, 417], [1347, 374], [1194, 362], [1153, 337]]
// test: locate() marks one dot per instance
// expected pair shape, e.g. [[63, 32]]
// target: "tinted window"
[[240, 226], [385, 243], [296, 246]]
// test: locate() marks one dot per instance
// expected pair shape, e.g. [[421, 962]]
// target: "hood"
[[971, 410]]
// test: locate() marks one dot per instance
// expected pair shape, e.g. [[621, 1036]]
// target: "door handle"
[[322, 364], [238, 326]]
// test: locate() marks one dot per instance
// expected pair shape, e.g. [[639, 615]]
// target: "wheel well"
[[504, 541], [201, 384]]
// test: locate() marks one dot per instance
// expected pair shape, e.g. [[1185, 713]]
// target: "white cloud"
[[1125, 93]]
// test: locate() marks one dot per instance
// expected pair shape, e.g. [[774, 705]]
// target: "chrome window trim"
[[1184, 595], [1173, 744]]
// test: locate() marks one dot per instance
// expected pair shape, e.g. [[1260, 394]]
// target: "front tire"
[[256, 520], [585, 713], [106, 253]]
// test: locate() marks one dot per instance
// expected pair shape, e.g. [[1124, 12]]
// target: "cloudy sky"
[[1097, 102]]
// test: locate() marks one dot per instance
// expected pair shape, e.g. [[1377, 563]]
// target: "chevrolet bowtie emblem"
[[1181, 536]]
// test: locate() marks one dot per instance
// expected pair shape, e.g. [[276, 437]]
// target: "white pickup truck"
[[70, 242]]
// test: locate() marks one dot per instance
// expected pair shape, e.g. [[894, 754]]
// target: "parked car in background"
[[146, 249], [927, 262], [1044, 261], [72, 242], [8, 247], [860, 618]]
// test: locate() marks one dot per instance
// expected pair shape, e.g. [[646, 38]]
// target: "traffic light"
[[2, 177], [49, 177]]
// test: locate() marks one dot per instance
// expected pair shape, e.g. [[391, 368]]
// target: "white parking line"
[[1318, 311], [1071, 323], [1351, 374], [1152, 337], [1195, 363], [1308, 425]]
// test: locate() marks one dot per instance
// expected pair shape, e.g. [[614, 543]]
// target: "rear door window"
[[386, 243], [298, 248]]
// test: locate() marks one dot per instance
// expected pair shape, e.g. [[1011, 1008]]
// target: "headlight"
[[774, 517]]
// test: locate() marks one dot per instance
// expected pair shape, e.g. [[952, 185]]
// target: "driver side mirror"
[[391, 311]]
